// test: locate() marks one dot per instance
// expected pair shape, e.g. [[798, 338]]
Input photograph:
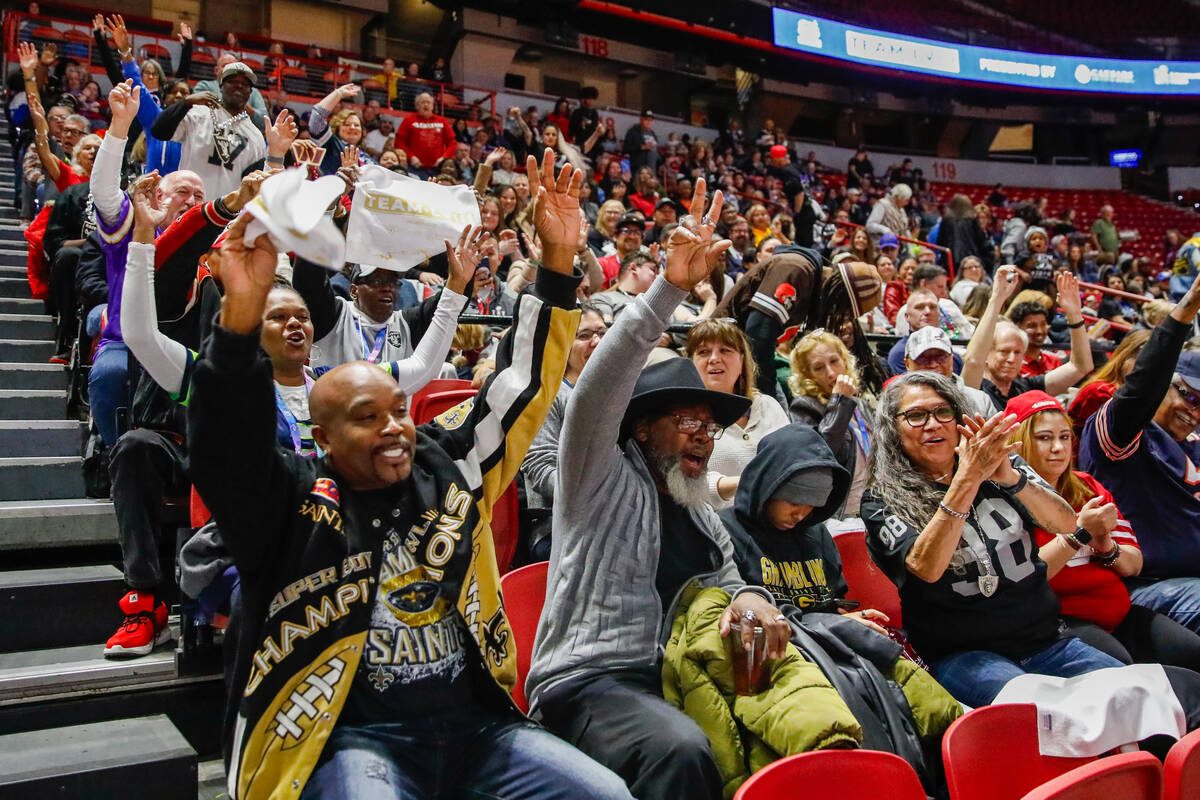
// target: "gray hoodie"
[[602, 610]]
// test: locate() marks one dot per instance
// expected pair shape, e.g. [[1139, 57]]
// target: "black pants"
[[622, 721], [145, 466], [63, 296], [1143, 637]]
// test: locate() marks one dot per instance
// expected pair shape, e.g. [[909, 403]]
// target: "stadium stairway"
[[72, 723]]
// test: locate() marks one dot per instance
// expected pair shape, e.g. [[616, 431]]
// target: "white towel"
[[1091, 714]]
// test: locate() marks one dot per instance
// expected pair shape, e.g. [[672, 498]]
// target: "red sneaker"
[[145, 626]]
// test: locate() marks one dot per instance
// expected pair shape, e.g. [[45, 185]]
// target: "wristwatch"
[[1081, 537]]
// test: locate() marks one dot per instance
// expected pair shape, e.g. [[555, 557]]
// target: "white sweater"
[[733, 451]]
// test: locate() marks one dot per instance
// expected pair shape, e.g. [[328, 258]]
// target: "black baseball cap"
[[630, 220]]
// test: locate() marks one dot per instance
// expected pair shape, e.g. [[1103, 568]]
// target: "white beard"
[[688, 492]]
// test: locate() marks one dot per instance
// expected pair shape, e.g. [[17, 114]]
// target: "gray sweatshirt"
[[602, 610]]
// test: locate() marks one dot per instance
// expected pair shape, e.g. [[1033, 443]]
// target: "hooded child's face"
[[785, 515]]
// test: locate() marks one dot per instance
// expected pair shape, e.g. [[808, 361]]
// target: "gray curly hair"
[[895, 479]]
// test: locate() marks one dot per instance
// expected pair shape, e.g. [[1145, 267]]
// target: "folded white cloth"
[[293, 210], [397, 222], [1100, 711]]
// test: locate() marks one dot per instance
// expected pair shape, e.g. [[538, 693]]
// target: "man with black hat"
[[632, 529], [641, 143], [627, 236], [793, 288], [665, 213]]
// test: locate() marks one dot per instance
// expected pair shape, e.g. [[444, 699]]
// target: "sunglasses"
[[919, 417], [1189, 396]]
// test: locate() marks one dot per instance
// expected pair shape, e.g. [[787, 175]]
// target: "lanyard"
[[859, 426], [290, 418], [372, 353]]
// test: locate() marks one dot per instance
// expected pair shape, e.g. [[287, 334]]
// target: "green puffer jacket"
[[800, 712]]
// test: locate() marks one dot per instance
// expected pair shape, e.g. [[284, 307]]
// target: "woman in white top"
[[722, 356], [970, 275]]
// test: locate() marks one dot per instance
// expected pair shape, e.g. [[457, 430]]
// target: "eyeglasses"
[[57, 117], [1189, 397], [76, 131], [692, 425], [586, 335], [918, 417]]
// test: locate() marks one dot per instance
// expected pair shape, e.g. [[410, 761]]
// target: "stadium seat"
[[835, 773], [868, 585], [160, 54], [441, 385], [524, 592], [425, 408], [1127, 776], [1181, 771], [203, 64], [992, 753], [77, 44]]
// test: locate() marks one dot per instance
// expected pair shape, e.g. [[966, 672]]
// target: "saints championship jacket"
[[309, 553]]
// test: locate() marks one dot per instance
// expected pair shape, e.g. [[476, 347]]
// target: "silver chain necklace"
[[224, 138], [989, 581]]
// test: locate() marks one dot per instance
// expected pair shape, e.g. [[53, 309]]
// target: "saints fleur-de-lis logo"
[[381, 679]]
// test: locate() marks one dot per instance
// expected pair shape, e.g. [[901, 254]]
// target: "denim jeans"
[[975, 677], [468, 754], [107, 389], [1178, 598]]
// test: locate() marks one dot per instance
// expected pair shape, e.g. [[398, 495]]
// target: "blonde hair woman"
[[825, 384], [600, 238], [721, 353]]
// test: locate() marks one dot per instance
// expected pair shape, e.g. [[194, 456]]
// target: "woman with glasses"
[[1095, 603], [952, 527], [722, 356], [825, 384]]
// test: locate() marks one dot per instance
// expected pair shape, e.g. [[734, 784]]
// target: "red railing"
[[292, 76]]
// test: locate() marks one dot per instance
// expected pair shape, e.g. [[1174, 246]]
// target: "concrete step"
[[26, 350], [146, 757], [21, 305], [29, 674], [60, 607], [32, 376], [26, 326], [13, 236], [14, 287], [41, 478], [17, 404], [13, 270], [41, 437], [50, 524]]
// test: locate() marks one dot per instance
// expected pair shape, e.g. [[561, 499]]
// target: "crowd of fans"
[[676, 371]]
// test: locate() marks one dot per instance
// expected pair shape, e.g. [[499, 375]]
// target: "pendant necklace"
[[989, 581], [223, 136]]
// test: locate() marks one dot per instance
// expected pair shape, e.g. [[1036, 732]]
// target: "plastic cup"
[[750, 675]]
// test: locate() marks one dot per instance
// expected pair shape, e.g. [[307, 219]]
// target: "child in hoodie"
[[777, 523]]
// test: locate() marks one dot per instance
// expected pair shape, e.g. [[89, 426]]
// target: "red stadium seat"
[[506, 527], [1127, 776], [47, 33], [835, 773], [424, 408], [868, 585], [1181, 771], [992, 753], [524, 593]]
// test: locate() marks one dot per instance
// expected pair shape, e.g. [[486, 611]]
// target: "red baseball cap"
[[1026, 404], [779, 151]]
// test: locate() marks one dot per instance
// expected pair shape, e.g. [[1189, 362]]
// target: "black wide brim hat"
[[676, 382]]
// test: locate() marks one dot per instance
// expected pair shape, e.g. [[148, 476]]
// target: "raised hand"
[[464, 257], [349, 170], [247, 274], [555, 211], [248, 189], [124, 100], [49, 54], [116, 28], [508, 244], [347, 90], [185, 32], [38, 114], [1005, 284], [148, 217], [28, 56], [494, 156], [692, 255], [281, 135], [1068, 295], [531, 246], [98, 22], [1098, 518]]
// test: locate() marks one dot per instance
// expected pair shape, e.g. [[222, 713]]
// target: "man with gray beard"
[[632, 530]]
